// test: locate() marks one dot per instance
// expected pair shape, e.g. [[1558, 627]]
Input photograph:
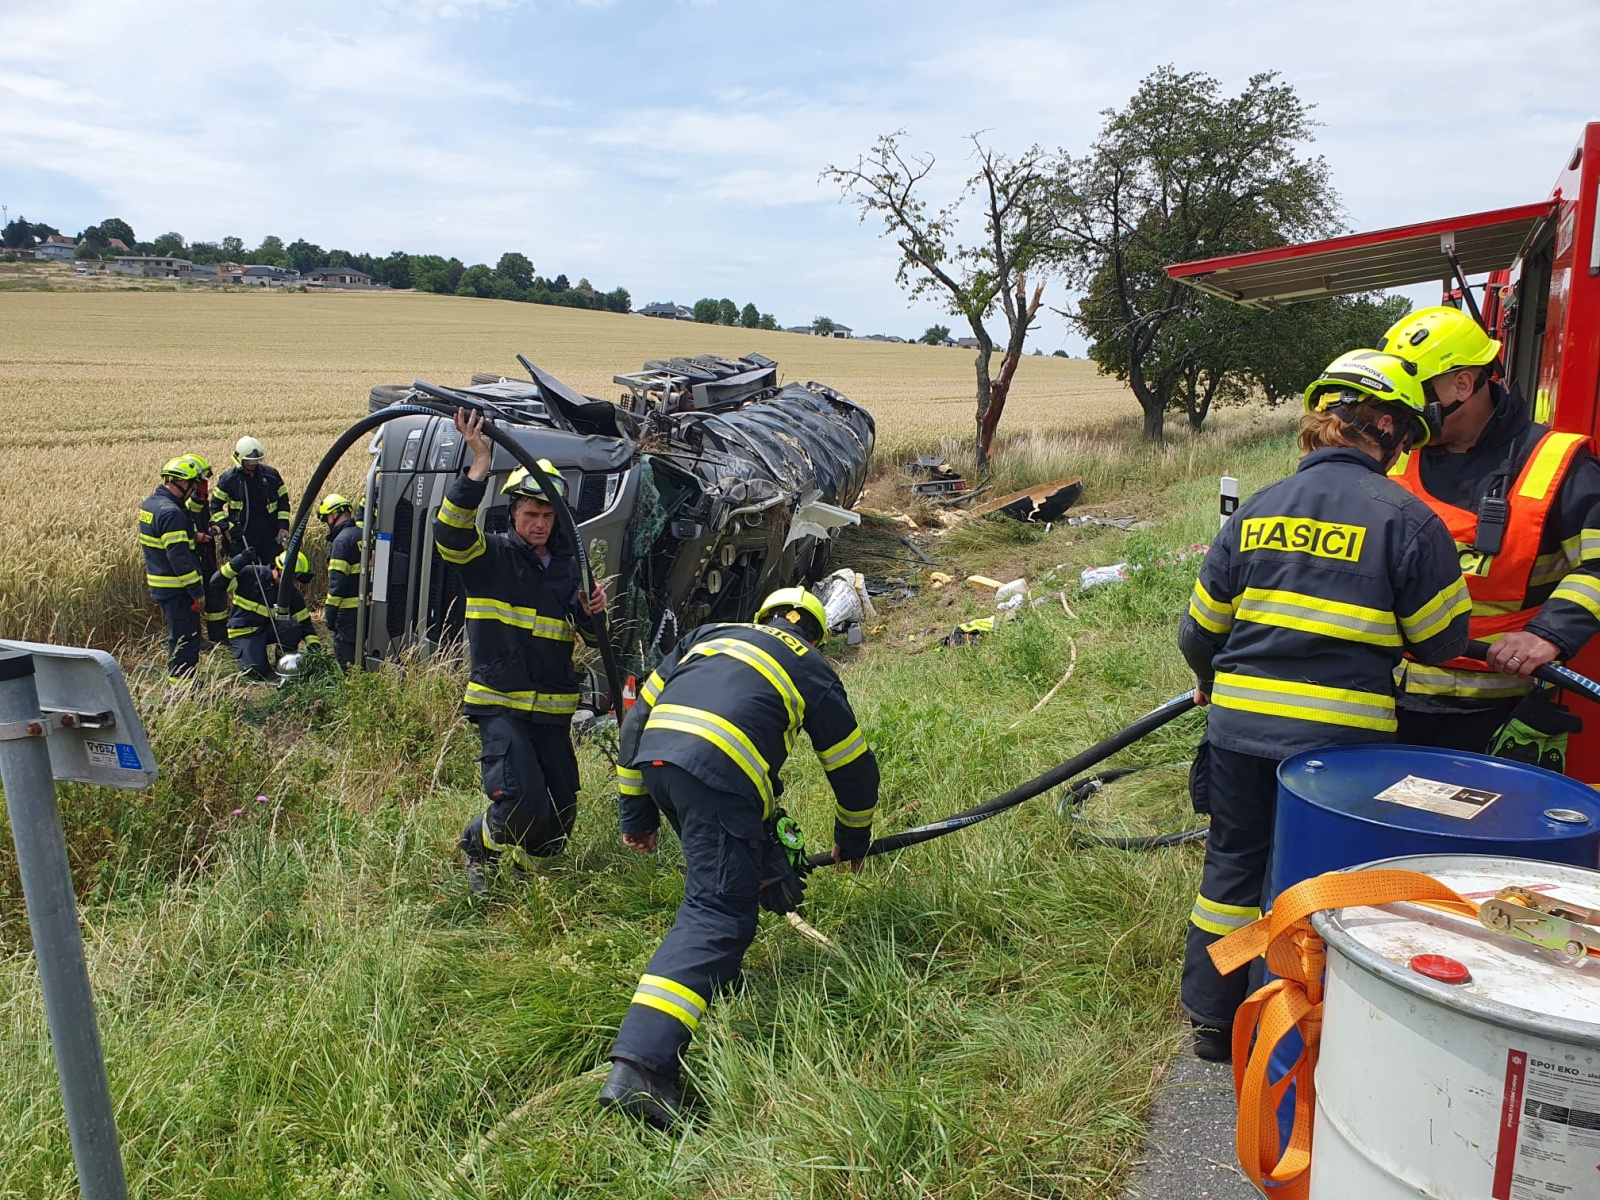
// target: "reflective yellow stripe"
[[461, 518], [845, 750], [1581, 590], [462, 557], [1543, 471], [227, 570], [1435, 616], [178, 537], [1218, 618], [630, 781], [1420, 679], [1549, 568], [851, 818], [251, 606], [342, 602], [338, 566], [670, 997], [481, 608], [764, 665], [1304, 701], [172, 581], [556, 703], [1221, 919], [722, 734], [651, 691], [1310, 614]]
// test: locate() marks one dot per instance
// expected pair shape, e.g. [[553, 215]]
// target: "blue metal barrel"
[[1329, 818]]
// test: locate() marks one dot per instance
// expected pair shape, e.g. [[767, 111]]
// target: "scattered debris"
[[1016, 588], [1072, 665], [939, 579], [1095, 576], [930, 466], [985, 581], [917, 550], [845, 598], [1123, 523], [968, 632], [1044, 502]]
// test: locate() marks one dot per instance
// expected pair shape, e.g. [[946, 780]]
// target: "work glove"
[[1537, 733], [283, 537], [197, 605], [250, 555], [782, 889]]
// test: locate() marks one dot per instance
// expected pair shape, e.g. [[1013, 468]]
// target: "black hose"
[[1551, 673], [1052, 778], [1081, 789], [445, 406]]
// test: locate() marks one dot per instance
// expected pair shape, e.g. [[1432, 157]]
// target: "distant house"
[[57, 247], [667, 310], [967, 343], [339, 277], [120, 246], [19, 252], [151, 266], [880, 337], [806, 329], [842, 331], [262, 276]]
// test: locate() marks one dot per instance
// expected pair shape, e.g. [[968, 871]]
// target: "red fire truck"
[[1541, 298]]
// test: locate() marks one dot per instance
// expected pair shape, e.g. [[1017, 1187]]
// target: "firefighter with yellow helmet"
[[704, 745], [1303, 607], [344, 575], [525, 610], [171, 571], [206, 535], [1522, 503], [252, 627]]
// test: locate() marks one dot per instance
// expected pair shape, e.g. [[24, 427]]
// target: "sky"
[[674, 147]]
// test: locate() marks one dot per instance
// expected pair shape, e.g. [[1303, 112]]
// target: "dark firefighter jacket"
[[1546, 578], [521, 615], [251, 507], [726, 705], [344, 569], [253, 594], [167, 536], [1306, 601]]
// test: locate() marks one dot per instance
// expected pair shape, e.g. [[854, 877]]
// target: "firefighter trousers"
[[342, 625], [1233, 884], [530, 775], [183, 636], [723, 843], [1467, 729], [250, 652]]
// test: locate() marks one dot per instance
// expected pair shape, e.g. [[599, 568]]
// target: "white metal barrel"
[[1487, 1089]]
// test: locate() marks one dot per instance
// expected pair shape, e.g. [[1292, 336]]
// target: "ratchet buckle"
[[1571, 931]]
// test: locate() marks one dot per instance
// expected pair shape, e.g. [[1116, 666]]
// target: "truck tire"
[[483, 377], [385, 395]]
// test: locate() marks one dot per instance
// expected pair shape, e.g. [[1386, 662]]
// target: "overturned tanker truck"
[[706, 486]]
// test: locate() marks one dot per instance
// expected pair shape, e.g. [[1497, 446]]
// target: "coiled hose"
[[444, 405]]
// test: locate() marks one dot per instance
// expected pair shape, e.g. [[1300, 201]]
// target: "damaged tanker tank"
[[708, 485]]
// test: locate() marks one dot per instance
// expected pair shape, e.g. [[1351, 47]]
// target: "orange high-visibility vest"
[[1498, 583]]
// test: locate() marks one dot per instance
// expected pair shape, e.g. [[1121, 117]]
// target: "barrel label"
[[1436, 796], [1549, 1142]]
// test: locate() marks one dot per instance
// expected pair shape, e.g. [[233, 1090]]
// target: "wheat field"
[[101, 387]]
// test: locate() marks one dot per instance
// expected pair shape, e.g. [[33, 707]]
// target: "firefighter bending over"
[[524, 603], [251, 502], [251, 627], [344, 575], [1297, 622], [166, 535], [1523, 505], [704, 745]]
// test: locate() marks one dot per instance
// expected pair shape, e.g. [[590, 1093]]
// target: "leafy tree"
[[750, 317], [560, 284], [476, 280], [305, 256], [19, 234], [205, 253], [705, 311], [431, 273], [232, 249], [822, 326], [1182, 172], [270, 253], [395, 270], [619, 300], [516, 268], [87, 249], [727, 312], [975, 280], [768, 321], [1060, 354], [935, 335], [502, 287], [169, 245], [94, 238], [116, 227]]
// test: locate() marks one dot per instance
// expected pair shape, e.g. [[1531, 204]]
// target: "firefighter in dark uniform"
[[344, 575], [166, 535], [1523, 505], [524, 613], [705, 744], [251, 502], [1303, 607], [251, 625], [206, 536]]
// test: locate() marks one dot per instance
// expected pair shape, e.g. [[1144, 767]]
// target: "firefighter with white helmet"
[[344, 575], [524, 612], [704, 744], [1522, 503], [171, 571], [1304, 604], [251, 502]]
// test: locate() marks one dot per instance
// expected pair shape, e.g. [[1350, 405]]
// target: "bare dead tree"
[[974, 280]]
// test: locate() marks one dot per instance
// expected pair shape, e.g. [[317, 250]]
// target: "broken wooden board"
[[1043, 502]]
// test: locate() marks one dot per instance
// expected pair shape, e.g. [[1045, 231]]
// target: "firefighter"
[[524, 612], [1523, 505], [166, 536], [251, 626], [251, 502], [1303, 606], [206, 535], [344, 575], [704, 744]]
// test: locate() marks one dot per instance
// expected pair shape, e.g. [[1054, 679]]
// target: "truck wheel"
[[385, 395]]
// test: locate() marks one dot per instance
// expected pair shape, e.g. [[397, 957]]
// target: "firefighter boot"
[[641, 1093], [479, 864], [1213, 1044]]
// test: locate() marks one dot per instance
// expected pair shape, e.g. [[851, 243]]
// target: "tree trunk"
[[985, 395], [989, 421], [1155, 422]]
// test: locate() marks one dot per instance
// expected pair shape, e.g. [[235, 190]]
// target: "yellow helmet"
[[332, 503], [182, 467], [521, 483], [1436, 340], [1359, 375], [302, 564], [200, 464], [794, 600]]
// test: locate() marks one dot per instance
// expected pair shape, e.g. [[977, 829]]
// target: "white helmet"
[[249, 447]]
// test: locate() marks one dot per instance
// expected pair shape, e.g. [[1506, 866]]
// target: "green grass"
[[302, 1000]]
